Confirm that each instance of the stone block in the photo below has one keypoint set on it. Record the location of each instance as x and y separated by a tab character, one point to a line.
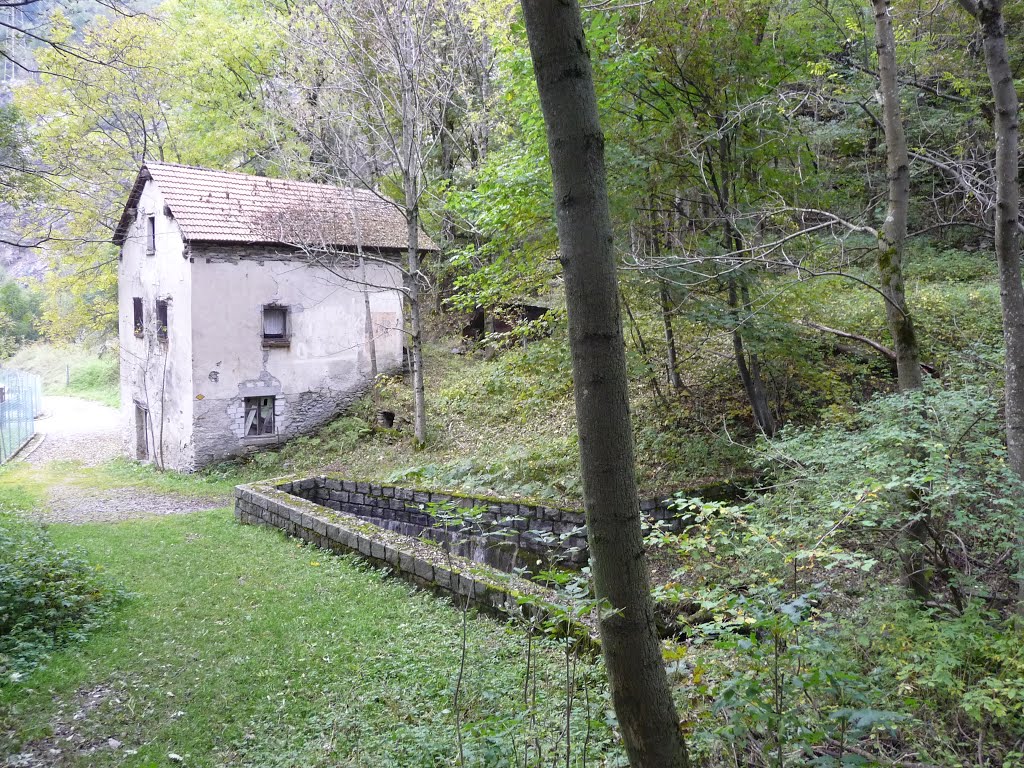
392	556
376	550
403	493
348	539
647	505
307	485
357	498
405	562
319	526
443	577
374	489
482	592
423	569
363	544
332	485
397	504
466	585
362	487
421	497
387	491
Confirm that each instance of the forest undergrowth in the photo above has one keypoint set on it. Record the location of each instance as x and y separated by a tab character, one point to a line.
787	624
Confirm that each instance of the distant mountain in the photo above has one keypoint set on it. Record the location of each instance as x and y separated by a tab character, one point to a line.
21	264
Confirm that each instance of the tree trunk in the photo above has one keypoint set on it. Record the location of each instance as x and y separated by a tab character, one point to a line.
415	326
411	167
672	357
989	14
750	375
371	339
629	638
893	233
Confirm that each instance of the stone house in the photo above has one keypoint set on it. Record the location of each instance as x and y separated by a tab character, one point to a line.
245	310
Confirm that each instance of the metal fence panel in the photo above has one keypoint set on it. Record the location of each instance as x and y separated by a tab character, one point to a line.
21	400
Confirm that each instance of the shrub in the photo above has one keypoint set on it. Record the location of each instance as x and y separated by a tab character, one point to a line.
48	597
934	459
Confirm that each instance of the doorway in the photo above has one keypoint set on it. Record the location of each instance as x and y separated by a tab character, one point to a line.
141	433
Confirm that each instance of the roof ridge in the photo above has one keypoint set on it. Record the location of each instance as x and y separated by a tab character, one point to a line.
271	179
231	206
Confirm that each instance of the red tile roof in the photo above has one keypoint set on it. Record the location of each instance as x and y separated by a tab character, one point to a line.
215	206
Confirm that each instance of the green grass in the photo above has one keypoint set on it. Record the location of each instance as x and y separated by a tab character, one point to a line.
242	648
24	486
72	369
503	426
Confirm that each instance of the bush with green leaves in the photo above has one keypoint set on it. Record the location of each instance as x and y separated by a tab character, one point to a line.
48	597
803	647
933	461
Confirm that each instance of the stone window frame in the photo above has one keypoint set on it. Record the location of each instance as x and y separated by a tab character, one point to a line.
150	234
255	415
276	340
138	323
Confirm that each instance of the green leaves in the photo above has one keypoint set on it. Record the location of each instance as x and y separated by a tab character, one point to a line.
48	597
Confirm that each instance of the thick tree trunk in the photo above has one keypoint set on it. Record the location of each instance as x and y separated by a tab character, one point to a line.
629	638
989	14
1007	214
893	234
891	241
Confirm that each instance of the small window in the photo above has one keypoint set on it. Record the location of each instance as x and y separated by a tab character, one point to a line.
275	326
151	234
137	316
161	319
259	416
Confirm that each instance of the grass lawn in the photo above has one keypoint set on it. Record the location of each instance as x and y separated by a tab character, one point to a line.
243	648
24	486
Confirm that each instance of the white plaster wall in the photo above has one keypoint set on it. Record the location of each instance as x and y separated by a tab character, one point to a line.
154	373
325	366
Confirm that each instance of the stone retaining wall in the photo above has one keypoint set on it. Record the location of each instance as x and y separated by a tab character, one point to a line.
539	530
422	563
556	534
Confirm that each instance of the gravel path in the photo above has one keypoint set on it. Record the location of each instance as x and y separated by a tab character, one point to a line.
71	429
90	434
